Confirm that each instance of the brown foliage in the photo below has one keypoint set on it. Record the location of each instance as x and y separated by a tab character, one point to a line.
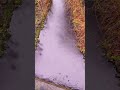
77	16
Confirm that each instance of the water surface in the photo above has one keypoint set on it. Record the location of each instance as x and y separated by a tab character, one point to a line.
57	58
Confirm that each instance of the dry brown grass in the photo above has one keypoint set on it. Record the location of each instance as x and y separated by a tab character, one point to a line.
77	16
42	8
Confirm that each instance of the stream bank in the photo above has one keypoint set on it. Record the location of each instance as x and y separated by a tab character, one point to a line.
17	66
6	11
98	69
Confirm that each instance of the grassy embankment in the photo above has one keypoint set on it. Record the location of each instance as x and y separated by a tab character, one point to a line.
42	8
108	16
6	10
76	10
